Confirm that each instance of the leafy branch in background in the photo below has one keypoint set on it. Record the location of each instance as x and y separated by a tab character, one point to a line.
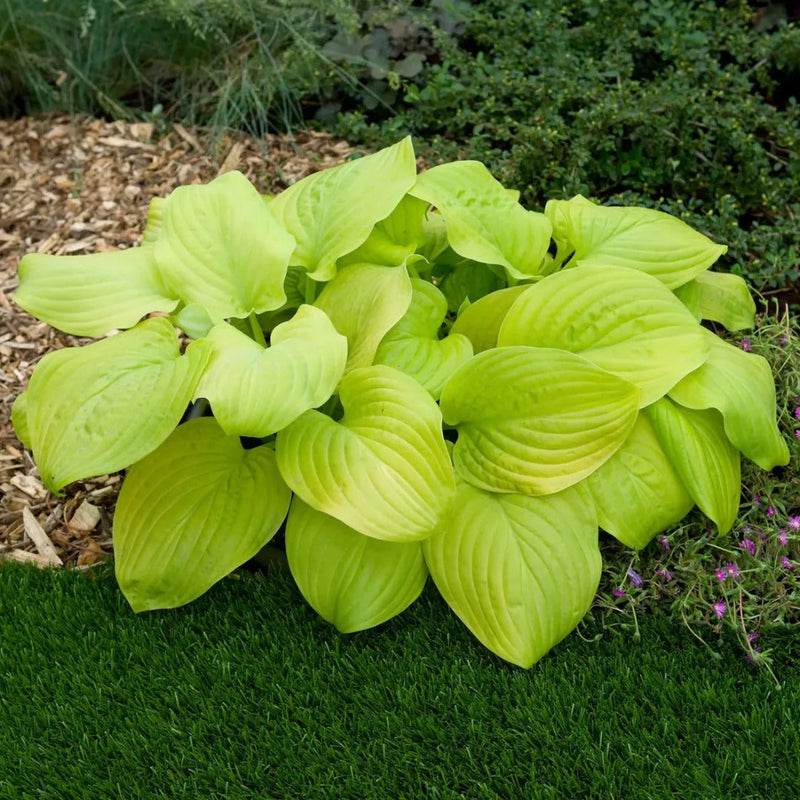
415	375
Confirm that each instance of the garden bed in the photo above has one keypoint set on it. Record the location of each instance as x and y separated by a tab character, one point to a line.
78	185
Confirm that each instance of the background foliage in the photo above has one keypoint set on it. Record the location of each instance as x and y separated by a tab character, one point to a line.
690	107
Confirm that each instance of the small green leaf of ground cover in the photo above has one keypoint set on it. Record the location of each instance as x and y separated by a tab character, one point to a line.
256	391
221	247
637	492
535	420
192	511
519	571
725	298
331	213
364	302
392	239
351	580
638	238
383	469
739	385
706	462
97	409
480	322
413	347
484	222
623	320
91	295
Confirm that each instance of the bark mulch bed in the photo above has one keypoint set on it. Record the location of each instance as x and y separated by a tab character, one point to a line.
82	185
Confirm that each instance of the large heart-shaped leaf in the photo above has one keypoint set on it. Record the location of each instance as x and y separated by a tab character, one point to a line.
706	462
739	385
535	420
519	571
623	320
364	301
219	246
91	295
383	469
97	409
637	491
191	512
638	238
484	220
351	580
413	346
331	213
256	391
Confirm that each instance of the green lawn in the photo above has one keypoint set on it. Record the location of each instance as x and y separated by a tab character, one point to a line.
247	694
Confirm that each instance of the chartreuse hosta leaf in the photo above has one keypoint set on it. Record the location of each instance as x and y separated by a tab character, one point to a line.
623	320
484	221
91	295
97	409
519	571
480	322
192	511
19	419
155	219
706	462
739	385
639	238
413	347
637	492
392	239
256	391
383	469
219	246
364	302
725	298
351	580
535	420
331	213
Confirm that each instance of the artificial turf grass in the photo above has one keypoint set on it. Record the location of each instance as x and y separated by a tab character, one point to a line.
246	693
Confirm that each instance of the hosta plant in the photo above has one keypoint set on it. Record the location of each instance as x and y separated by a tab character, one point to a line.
399	375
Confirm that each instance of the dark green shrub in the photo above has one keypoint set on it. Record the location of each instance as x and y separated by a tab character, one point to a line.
684	103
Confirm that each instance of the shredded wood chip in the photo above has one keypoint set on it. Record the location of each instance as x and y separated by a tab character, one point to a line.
42	541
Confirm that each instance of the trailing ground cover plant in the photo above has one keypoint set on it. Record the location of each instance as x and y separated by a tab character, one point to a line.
403	375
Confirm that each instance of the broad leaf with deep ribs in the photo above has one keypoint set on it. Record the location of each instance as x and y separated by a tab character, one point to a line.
383	469
351	580
519	571
191	512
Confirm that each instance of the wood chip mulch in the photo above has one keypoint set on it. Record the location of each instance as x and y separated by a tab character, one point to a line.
82	185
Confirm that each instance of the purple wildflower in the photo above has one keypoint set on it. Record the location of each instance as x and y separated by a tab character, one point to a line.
771	511
786	563
733	570
756	499
720	607
749	545
664	542
783	537
636	578
751	637
746	345
722	575
797	412
797	433
752	656
783	341
664	574
793	523
619	593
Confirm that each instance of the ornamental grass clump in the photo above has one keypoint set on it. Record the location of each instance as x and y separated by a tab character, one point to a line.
409	375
